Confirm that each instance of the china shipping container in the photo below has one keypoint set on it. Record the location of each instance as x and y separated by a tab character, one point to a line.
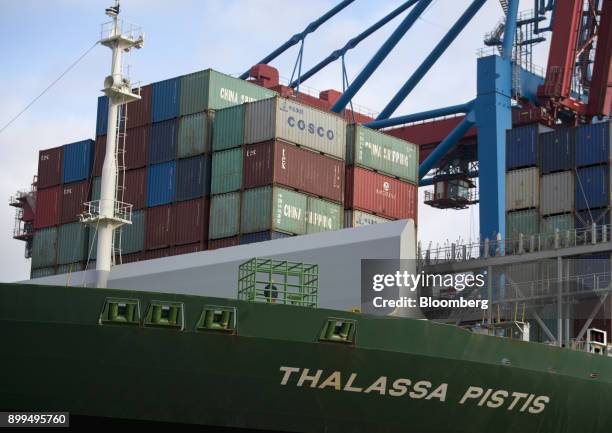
159	227
72	241
523	188
44	248
224	216
556	150
189	248
522	145
323	216
212	90
592	187
193	135
190	221
357	218
557	193
50	167
137	147
73	197
276	162
163	141
593	144
165	99
42	272
99	152
214	244
563	223
102	116
375	193
380	152
161	183
78	161
48	203
227	169
287	120
228	128
526	222
130	240
193	177
138	112
586	218
251	238
273	208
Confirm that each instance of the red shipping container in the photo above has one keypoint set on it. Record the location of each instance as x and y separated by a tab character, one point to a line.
47	207
188	249
157	254
50	167
382	195
131	258
73	197
136	145
288	165
99	152
135	188
190	221
214	244
159	227
139	112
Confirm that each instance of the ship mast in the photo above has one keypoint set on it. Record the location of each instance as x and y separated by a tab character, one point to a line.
109	213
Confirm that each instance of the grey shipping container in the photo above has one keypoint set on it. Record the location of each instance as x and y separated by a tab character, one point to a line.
194	135
42	272
72	241
70	268
526	222
284	119
557	193
44	248
226	171
228	128
224	216
562	222
357	218
522	189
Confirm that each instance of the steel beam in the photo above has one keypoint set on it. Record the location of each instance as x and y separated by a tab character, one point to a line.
510	29
430	180
424	115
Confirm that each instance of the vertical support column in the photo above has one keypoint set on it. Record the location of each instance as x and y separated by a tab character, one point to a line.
567	305
560	301
490	293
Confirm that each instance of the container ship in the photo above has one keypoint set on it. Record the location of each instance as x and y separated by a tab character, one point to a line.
201	260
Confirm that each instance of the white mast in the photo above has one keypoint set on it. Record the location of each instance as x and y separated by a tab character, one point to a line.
107	214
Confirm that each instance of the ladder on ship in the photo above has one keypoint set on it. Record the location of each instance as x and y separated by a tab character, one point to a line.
120	138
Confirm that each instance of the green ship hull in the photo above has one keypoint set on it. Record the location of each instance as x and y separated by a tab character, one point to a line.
391	375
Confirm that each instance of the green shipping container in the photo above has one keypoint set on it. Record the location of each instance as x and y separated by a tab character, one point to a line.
526	222
381	152
96	186
224	216
323	216
562	222
132	236
44	248
72	240
212	90
226	171
228	128
274	208
194	135
42	272
70	268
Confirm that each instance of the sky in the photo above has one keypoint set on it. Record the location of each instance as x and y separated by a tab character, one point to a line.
41	38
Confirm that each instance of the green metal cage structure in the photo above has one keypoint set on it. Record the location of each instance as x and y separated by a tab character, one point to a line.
279	282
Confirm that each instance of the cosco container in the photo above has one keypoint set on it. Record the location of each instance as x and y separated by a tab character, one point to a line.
276	162
557	193
194	135
323	216
42	272
163	141
136	147
102	115
99	152
522	188
161	183
556	150
224	216
48	202
134	192
389	155
44	248
357	218
284	119
72	240
273	208
526	222
522	145
214	244
165	99
592	187
73	197
563	223
593	144
138	112
226	171
129	238
159	227
193	177
78	161
251	238
190	221
228	128
50	167
586	218
212	90
382	195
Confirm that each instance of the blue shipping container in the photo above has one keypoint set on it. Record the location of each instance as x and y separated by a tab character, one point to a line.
592	187
593	144
556	150
262	236
165	99
102	116
161	183
78	161
585	218
163	141
521	147
193	177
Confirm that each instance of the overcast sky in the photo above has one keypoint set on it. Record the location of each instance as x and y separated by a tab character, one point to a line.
40	38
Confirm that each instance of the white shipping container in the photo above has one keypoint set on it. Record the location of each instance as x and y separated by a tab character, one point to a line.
523	189
357	218
284	119
557	193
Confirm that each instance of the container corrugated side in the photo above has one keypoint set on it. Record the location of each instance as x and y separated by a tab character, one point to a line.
557	193
586	218
163	141
99	152
562	222
295	123
165	99
522	188
526	222
139	112
50	167
226	171
214	244
159	227
161	183
189	248
70	268
78	161
522	145
592	187
48	205
193	135
224	216
135	188
42	272
137	147
273	208
251	238
131	240
190	221
228	128
102	115
593	144
556	150
193	177
44	248
72	241
381	152
73	197
357	218
323	216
